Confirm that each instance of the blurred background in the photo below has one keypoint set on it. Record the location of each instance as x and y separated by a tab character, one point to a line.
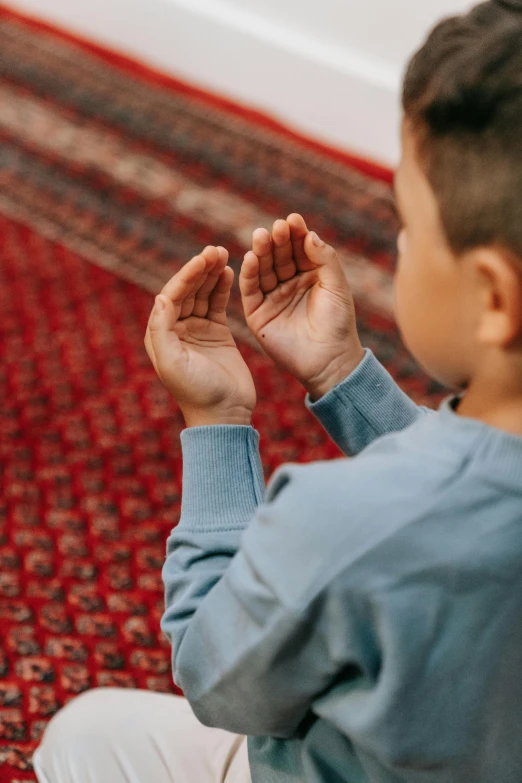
331	69
132	134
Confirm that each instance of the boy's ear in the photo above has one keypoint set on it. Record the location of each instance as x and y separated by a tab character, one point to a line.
501	307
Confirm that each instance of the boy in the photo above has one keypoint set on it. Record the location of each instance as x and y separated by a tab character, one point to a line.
362	620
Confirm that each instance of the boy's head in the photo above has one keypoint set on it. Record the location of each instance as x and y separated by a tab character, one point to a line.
459	192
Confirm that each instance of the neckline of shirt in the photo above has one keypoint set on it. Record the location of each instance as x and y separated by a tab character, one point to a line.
499	449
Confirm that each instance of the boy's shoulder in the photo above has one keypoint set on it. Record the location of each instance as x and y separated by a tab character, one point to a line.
331	515
398	467
393	514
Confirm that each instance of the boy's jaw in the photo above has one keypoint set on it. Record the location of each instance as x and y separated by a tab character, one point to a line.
430	284
442	303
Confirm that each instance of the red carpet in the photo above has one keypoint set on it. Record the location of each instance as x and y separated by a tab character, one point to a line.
112	177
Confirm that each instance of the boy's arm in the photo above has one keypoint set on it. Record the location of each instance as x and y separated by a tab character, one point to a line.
246	659
365	406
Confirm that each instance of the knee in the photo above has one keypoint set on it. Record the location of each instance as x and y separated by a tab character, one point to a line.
87	716
110	735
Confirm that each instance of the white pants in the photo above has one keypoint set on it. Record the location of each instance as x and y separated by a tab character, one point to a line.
113	735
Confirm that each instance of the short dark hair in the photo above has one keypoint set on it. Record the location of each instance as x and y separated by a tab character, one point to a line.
462	94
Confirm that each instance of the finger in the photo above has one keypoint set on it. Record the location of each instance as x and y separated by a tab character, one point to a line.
182	283
164	342
150	349
187	307
219	298
262	247
211	256
201	301
249	284
284	264
148	342
298	233
328	264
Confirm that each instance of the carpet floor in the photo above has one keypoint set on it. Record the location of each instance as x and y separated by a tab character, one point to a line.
112	177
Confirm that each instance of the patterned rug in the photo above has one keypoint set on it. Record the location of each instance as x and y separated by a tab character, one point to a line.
112	177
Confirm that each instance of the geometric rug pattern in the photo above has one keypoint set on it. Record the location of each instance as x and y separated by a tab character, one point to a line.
112	177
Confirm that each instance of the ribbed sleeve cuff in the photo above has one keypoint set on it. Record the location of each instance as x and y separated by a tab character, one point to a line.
366	405
223	480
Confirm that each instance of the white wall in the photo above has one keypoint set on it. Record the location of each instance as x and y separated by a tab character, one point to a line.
330	69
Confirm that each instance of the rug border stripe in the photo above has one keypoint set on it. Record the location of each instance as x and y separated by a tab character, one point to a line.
155	76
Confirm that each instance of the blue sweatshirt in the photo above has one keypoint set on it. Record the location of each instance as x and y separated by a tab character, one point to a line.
361	620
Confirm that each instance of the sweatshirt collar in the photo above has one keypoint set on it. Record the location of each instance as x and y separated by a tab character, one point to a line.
501	451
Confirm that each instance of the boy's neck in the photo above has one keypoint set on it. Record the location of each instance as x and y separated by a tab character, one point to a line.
495	397
505	416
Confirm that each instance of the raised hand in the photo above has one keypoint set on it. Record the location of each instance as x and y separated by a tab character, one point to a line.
192	348
299	306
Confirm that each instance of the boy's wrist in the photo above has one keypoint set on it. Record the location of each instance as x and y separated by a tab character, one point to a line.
208	418
335	373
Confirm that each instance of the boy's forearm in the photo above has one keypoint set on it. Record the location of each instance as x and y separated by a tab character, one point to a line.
366	405
223	485
223	480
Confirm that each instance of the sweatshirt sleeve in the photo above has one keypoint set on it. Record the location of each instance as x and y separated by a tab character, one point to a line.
365	406
248	659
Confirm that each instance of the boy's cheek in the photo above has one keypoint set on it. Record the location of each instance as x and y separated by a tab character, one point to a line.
410	307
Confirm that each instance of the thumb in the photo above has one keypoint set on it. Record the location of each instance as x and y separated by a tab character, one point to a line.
328	264
163	340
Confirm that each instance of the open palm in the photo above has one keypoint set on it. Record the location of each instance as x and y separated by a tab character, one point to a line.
298	303
191	346
210	365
